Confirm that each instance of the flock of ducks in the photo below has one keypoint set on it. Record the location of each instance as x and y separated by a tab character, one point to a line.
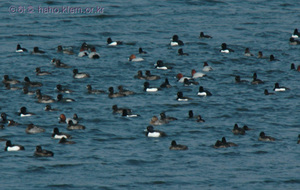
90	51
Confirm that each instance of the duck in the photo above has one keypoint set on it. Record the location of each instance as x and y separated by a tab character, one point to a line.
113	43
225	49
77	75
114	95
295	34
23	112
60	89
140	75
33	129
180	97
294	42
175	146
36	50
59	64
246	128
94	54
266	92
9	87
7	80
298	142
191	114
12	123
165	84
141	51
39	152
227	144
247	52
124	91
256	80
149	76
40	99
202	35
187	82
8	121
49	108
68	51
219	144
83	50
278	88
32	84
180	77
120	110
26	91
64	119
197	74
206	67
13	147
125	113
42	96
298	68
160	65
155	121
154	133
180	52
293	66
147	88
238	80
260	55
203	92
72	126
93	91
163	117
60	98
59	135
19	49
41	73
65	141
134	58
175	41
272	58
199	119
263	137
237	130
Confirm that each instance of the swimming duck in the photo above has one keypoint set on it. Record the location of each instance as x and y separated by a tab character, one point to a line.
175	146
160	65
64	119
147	88
139	75
83	50
202	35
247	52
9	87
113	43
272	58
42	153
26	91
163	117
94	54
13	147
295	34
8	121
294	42
32	84
19	49
59	135
59	64
125	113
293	66
114	95
134	58
156	121
49	108
154	133
165	84
120	110
7	80
41	73
256	80
65	141
36	50
263	137
23	112
199	119
141	51
60	89
33	129
77	75
225	49
266	92
298	142
203	92
68	51
180	52
187	82
176	42
238	79
149	76
237	130
42	96
206	67
60	98
72	126
227	144
94	91
278	88
197	74
180	97
219	144
124	91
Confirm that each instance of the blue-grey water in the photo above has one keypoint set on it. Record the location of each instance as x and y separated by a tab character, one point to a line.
113	152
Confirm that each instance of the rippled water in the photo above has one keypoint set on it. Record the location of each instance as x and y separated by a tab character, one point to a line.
113	152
